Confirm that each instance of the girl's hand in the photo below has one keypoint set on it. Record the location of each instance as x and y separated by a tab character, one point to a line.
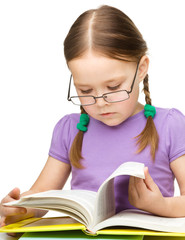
11	214
145	195
14	214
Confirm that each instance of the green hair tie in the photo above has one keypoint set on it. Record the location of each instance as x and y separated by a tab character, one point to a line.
84	120
149	111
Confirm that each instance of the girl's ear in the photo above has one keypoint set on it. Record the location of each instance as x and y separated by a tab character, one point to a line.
143	68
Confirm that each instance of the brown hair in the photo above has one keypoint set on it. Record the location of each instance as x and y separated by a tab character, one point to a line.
109	31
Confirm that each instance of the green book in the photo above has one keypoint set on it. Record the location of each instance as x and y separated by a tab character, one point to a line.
74	235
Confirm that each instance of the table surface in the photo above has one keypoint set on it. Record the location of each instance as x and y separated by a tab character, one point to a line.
4	236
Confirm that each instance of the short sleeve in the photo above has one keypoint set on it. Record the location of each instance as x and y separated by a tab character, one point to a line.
175	134
60	143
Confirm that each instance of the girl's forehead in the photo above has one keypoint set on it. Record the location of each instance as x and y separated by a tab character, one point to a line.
96	64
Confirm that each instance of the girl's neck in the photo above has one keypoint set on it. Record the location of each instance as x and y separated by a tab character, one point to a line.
139	108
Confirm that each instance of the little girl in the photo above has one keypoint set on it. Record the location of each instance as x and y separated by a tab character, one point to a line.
106	55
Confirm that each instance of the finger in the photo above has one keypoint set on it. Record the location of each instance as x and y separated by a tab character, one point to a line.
140	186
2	221
17	235
149	181
13	211
12	219
15	193
11	234
132	192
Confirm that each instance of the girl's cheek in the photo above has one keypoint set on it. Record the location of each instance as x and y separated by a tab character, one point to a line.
89	110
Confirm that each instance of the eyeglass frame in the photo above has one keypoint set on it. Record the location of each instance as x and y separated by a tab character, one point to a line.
103	95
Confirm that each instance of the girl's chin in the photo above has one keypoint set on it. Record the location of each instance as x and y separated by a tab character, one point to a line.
111	122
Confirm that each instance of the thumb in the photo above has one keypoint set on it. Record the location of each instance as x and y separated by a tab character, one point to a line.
148	180
15	193
2	221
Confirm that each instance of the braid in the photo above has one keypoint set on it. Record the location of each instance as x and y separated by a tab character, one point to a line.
149	135
76	148
146	91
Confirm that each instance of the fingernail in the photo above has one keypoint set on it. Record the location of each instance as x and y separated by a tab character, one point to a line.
23	211
2	224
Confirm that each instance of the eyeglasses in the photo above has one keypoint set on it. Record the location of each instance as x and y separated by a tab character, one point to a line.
111	97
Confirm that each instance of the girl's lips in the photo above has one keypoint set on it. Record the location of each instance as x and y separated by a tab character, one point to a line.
107	114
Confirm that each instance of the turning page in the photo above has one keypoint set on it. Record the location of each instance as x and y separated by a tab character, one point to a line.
105	201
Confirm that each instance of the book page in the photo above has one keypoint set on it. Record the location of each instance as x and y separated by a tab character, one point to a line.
51	221
105	202
141	219
78	204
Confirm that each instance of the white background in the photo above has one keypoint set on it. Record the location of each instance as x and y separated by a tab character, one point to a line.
34	76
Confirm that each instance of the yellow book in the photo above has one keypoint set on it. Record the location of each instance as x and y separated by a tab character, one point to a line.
69	224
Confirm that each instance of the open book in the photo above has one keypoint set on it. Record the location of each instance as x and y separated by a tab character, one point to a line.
96	210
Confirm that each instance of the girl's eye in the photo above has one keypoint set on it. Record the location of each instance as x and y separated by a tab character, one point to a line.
86	91
114	88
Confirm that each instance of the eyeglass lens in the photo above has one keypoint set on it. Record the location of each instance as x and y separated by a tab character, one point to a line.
109	97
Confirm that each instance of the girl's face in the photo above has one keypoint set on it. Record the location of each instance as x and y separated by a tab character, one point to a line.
95	75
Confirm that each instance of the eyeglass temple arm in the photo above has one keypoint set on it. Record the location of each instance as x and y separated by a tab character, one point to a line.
134	77
68	95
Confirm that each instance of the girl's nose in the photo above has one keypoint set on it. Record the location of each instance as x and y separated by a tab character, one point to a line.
100	101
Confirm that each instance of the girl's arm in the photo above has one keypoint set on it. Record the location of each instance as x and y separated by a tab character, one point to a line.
177	204
53	176
145	194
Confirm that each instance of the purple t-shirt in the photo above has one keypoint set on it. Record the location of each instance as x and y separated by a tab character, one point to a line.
105	148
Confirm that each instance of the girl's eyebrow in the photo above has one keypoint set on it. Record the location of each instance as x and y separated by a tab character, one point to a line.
117	78
81	85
